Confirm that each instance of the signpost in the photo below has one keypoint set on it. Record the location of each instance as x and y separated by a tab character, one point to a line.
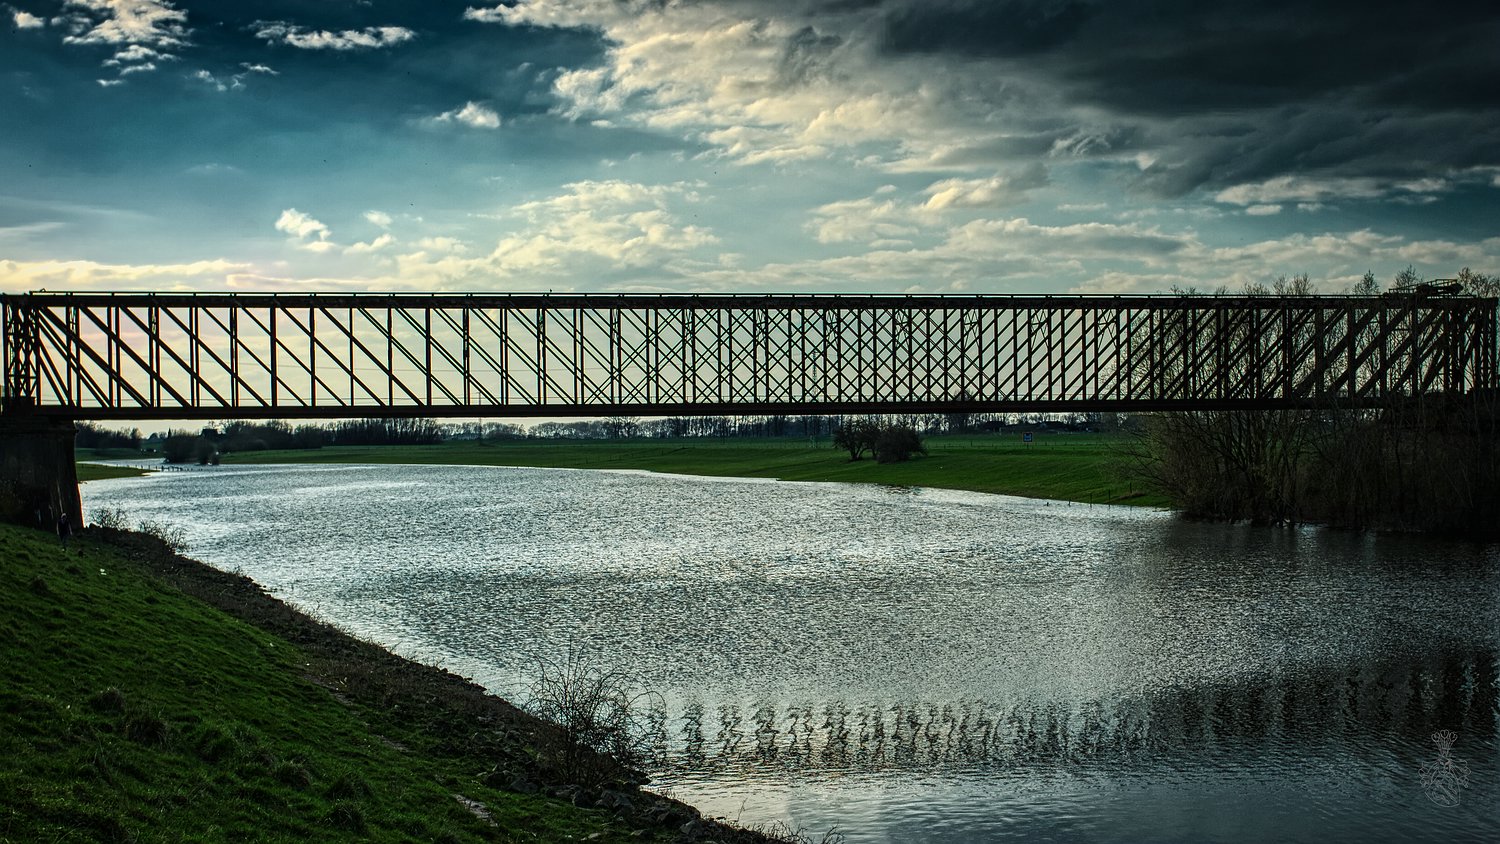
1026	438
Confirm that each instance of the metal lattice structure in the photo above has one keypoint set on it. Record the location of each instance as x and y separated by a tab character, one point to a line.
215	356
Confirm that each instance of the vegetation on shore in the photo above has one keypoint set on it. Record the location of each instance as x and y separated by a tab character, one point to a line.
148	697
1088	468
1428	462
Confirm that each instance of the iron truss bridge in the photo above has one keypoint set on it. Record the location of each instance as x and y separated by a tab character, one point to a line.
216	356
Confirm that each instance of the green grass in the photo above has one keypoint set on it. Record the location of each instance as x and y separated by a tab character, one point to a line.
130	711
1062	466
95	472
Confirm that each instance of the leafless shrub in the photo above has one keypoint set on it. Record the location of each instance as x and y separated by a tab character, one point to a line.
604	724
111	518
784	833
175	538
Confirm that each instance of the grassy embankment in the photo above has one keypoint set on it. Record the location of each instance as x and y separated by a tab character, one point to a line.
145	697
1070	467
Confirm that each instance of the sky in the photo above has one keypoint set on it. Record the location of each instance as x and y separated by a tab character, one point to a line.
959	146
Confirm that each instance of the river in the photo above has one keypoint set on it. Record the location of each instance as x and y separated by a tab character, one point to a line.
917	665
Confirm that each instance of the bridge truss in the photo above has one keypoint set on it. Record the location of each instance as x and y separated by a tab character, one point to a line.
217	356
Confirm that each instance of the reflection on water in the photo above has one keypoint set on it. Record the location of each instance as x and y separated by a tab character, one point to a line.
917	664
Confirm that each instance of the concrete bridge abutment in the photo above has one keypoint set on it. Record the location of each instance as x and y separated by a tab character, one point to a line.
38	476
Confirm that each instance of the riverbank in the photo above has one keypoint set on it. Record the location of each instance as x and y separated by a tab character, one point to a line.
1087	468
147	696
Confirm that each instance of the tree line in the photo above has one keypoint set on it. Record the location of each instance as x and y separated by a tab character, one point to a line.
1428	463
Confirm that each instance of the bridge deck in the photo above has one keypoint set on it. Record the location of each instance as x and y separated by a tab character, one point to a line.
214	356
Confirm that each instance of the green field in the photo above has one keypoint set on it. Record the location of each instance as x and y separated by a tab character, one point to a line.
95	472
133	707
1064	466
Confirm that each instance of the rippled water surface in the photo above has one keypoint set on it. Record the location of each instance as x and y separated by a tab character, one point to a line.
919	665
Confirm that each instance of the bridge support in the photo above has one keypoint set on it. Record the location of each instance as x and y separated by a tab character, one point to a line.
38	478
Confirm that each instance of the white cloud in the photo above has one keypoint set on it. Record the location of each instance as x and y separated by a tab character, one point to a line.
1263	210
1000	190
26	20
472	114
153	23
22	276
258	68
762	87
442	244
379	218
143	29
137	53
109	83
25	231
625	224
375	245
867	220
306	232
215	82
1313	189
369	38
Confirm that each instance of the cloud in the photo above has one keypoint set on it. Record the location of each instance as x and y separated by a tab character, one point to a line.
154	23
997	191
1263	210
379	218
137	53
215	82
24	276
306	232
142	29
472	114
1313	189
867	221
626	224
26	231
26	20
375	245
1178	97
232	82
442	244
369	38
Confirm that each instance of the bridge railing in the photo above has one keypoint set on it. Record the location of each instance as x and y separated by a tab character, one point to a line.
136	356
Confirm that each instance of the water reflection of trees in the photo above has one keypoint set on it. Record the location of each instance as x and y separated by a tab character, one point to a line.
1366	710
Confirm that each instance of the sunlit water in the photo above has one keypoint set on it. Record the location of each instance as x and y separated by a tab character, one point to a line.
918	665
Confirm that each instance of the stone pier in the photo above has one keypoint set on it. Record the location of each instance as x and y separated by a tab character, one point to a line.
38	478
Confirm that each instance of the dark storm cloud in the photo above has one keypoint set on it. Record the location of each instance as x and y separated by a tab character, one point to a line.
1230	92
1172	56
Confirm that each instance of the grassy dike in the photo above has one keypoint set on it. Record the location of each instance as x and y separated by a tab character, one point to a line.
1086	468
148	697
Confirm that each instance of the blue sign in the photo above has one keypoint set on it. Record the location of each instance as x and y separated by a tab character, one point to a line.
1026	438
